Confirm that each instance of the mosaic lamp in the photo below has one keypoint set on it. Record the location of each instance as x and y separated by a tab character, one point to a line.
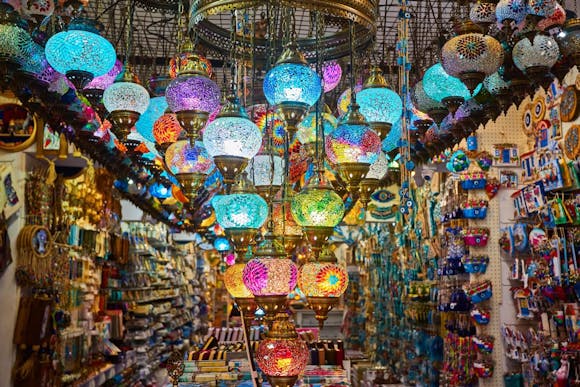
292	87
436	110
232	139
266	170
193	96
331	74
368	185
80	52
569	41
381	106
482	13
445	88
536	56
190	165
541	8
306	133
160	191
14	42
270	276
32	65
323	282
353	146
166	131
221	244
234	283
282	355
284	224
471	55
240	213
145	123
318	209
125	100
94	90
499	88
510	11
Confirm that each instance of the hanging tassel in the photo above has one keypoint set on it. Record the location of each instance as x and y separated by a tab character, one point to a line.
63	148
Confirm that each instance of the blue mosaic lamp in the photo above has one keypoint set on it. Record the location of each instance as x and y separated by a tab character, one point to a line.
221	244
381	106
292	86
159	191
157	107
232	139
446	89
510	11
80	52
14	40
240	213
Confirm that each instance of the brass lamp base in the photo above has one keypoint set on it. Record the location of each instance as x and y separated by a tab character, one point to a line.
321	306
317	237
471	79
438	115
230	167
272	305
381	128
282	381
367	187
95	98
79	78
452	103
290	244
192	121
423	126
352	174
292	113
241	238
267	191
190	184
122	121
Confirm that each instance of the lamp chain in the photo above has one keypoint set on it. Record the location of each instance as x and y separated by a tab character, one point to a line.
352	68
180	11
129	32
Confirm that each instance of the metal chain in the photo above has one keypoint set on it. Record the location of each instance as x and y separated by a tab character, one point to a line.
129	32
180	11
352	65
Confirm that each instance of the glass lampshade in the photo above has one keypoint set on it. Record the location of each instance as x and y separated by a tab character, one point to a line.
222	244
541	52
282	357
543	8
379	168
234	282
511	10
482	12
126	94
160	191
232	136
240	210
284	223
260	170
269	276
166	129
569	42
14	39
322	279
80	48
181	157
495	84
317	205
307	128
292	82
422	101
103	81
331	74
181	60
377	102
145	123
557	18
352	143
439	85
35	61
343	101
193	93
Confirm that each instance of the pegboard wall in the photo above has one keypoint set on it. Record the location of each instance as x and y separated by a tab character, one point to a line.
506	129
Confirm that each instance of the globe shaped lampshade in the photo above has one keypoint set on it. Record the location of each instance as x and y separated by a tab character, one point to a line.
471	57
232	136
14	39
436	110
292	82
511	11
322	279
234	282
261	171
182	158
379	168
331	74
35	62
145	123
307	128
543	8
495	84
160	191
317	205
269	276
482	13
352	144
101	82
445	88
222	244
80	53
240	210
343	102
193	93
391	142
537	55
557	18
166	130
569	41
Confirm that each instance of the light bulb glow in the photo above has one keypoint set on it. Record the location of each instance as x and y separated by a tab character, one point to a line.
317	207
322	279
126	96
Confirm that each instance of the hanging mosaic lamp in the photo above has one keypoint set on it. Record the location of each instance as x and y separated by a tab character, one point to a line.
445	88
436	110
556	18
240	213
306	133
166	131
270	276
323	282
14	43
266	170
569	41
80	52
482	13
222	245
145	124
193	96
499	88
353	147
331	75
510	13
94	90
234	283
535	56
232	139
282	355
125	100
541	8
160	191
32	65
292	87
377	171
471	55
285	226
381	106
190	165
318	209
